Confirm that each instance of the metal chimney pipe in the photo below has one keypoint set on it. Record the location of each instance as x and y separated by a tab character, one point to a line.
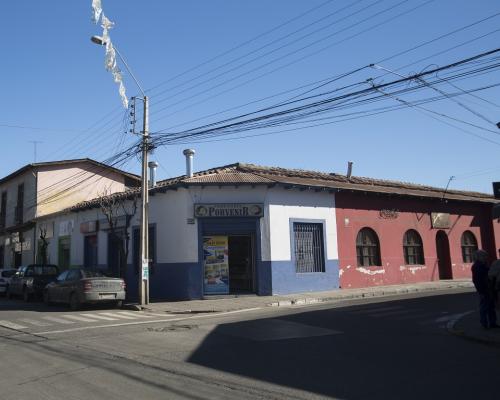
152	173
349	169
189	153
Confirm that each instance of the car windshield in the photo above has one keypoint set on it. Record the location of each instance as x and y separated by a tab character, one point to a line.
92	274
45	270
9	273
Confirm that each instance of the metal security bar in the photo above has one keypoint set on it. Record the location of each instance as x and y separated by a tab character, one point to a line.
309	252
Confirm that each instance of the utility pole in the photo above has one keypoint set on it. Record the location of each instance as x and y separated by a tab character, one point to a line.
144	267
144	245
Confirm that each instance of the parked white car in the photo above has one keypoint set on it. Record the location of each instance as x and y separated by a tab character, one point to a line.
5	275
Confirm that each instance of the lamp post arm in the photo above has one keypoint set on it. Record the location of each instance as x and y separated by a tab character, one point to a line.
129	71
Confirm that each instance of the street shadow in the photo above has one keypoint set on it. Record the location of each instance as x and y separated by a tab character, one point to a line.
339	353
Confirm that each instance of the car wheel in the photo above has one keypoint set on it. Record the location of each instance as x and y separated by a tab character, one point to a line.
119	304
74	302
26	295
46	298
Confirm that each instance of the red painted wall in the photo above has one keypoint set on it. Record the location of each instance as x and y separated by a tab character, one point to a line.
358	210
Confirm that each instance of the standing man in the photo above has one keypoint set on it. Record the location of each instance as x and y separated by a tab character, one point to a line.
494	280
487	313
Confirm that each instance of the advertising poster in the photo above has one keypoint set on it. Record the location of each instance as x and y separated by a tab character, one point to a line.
216	262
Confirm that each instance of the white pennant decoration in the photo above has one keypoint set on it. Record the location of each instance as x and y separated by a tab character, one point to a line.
110	57
96	10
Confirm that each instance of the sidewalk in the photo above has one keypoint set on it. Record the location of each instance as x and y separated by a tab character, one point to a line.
469	328
234	303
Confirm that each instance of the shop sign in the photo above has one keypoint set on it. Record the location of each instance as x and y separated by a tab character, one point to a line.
389	213
496	190
216	265
15	237
228	210
23	246
88	227
496	211
65	228
118	222
440	220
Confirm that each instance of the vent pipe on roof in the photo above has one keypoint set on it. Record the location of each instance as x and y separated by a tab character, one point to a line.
349	169
152	173
189	153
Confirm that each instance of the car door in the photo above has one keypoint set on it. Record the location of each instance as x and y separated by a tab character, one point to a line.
70	284
56	289
15	286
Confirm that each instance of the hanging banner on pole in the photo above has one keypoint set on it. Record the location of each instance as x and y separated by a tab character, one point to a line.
216	265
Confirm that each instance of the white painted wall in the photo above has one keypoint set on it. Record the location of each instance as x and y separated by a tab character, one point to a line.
177	240
285	205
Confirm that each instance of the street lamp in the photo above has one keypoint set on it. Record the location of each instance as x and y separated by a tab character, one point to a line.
144	260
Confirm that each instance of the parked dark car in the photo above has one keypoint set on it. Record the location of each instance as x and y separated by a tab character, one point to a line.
5	276
78	286
30	280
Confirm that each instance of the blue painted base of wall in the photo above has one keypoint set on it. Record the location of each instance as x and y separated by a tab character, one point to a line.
179	281
285	280
184	281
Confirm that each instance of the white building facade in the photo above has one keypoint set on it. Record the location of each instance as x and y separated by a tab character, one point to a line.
223	231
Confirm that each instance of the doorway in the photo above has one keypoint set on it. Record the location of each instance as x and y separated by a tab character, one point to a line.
443	255
116	256
241	262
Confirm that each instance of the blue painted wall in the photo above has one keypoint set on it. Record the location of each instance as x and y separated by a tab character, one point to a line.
176	281
285	280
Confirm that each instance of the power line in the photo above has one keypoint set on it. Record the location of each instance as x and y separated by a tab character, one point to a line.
357	23
245	124
309	11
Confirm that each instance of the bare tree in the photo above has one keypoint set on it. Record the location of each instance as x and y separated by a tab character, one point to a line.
115	208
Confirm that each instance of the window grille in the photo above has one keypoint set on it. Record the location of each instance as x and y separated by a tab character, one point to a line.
309	251
469	246
413	248
367	248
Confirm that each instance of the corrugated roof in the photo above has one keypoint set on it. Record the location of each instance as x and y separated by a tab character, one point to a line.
229	177
239	173
337	181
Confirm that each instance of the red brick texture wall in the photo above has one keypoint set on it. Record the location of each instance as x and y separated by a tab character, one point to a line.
358	210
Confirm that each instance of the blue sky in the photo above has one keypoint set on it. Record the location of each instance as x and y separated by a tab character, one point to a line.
55	89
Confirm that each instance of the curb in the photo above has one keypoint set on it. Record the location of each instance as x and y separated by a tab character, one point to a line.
451	327
363	295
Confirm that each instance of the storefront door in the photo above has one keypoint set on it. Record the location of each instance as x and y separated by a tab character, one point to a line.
228	264
240	264
443	255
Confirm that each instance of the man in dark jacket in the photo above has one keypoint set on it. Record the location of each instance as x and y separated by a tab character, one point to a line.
487	313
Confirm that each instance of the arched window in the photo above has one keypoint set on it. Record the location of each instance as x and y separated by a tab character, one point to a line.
469	246
413	248
367	248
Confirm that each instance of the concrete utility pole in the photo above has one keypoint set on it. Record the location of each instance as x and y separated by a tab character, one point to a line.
144	261
144	268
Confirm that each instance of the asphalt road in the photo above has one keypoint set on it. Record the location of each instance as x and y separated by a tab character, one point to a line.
393	348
